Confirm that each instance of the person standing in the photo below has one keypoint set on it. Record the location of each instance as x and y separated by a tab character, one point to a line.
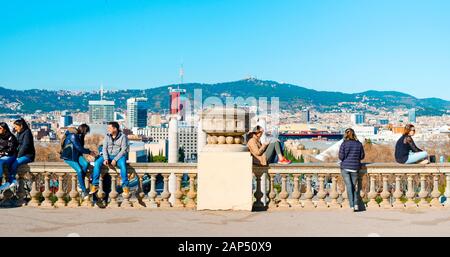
351	152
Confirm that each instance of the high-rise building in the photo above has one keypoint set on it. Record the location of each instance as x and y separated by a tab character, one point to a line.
305	116
101	111
358	118
137	112
412	115
66	119
177	102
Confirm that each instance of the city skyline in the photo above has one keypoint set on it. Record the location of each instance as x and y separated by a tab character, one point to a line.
343	46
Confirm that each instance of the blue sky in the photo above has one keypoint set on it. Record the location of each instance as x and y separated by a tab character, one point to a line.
335	45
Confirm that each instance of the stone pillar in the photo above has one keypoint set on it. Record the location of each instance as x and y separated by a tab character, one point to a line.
173	154
224	164
201	136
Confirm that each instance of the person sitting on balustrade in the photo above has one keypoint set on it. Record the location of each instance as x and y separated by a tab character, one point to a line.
8	151
406	150
72	150
114	153
264	153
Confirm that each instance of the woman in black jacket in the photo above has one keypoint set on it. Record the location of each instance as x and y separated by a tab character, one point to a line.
25	150
351	152
8	150
406	150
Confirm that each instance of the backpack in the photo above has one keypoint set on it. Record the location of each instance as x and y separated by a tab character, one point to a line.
67	151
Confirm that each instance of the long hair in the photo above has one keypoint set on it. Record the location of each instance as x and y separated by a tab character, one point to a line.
349	134
408	129
82	130
5	128
254	131
22	123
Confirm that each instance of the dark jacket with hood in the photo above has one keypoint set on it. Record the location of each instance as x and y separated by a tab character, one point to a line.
8	145
26	144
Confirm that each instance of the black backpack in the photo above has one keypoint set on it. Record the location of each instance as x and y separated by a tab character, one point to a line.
67	151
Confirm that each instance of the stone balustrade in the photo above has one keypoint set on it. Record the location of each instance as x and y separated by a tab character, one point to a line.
320	186
39	175
305	186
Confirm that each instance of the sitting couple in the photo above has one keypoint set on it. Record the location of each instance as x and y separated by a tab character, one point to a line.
114	152
264	153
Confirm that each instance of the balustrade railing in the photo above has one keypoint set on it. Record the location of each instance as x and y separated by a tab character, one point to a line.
320	186
55	184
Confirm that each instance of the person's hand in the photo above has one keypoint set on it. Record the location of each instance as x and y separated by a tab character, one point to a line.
113	163
94	154
106	162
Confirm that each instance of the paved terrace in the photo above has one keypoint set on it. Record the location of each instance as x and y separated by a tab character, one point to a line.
129	222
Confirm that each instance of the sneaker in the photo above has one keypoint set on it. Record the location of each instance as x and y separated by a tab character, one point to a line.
93	190
13	184
356	208
5	186
284	161
126	190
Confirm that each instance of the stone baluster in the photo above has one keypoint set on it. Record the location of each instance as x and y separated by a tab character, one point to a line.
447	190
296	193
165	194
74	195
126	203
321	204
308	195
152	194
21	189
334	194
178	203
435	194
101	193
140	195
372	195
411	193
258	204
423	194
272	193
34	193
191	194
60	194
385	194
88	201
47	193
113	194
283	194
398	193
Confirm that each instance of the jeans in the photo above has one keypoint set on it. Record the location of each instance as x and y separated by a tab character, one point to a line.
416	157
8	160
81	167
15	165
353	185
272	151
121	163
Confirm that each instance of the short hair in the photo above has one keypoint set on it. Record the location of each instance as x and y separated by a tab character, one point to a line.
114	124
